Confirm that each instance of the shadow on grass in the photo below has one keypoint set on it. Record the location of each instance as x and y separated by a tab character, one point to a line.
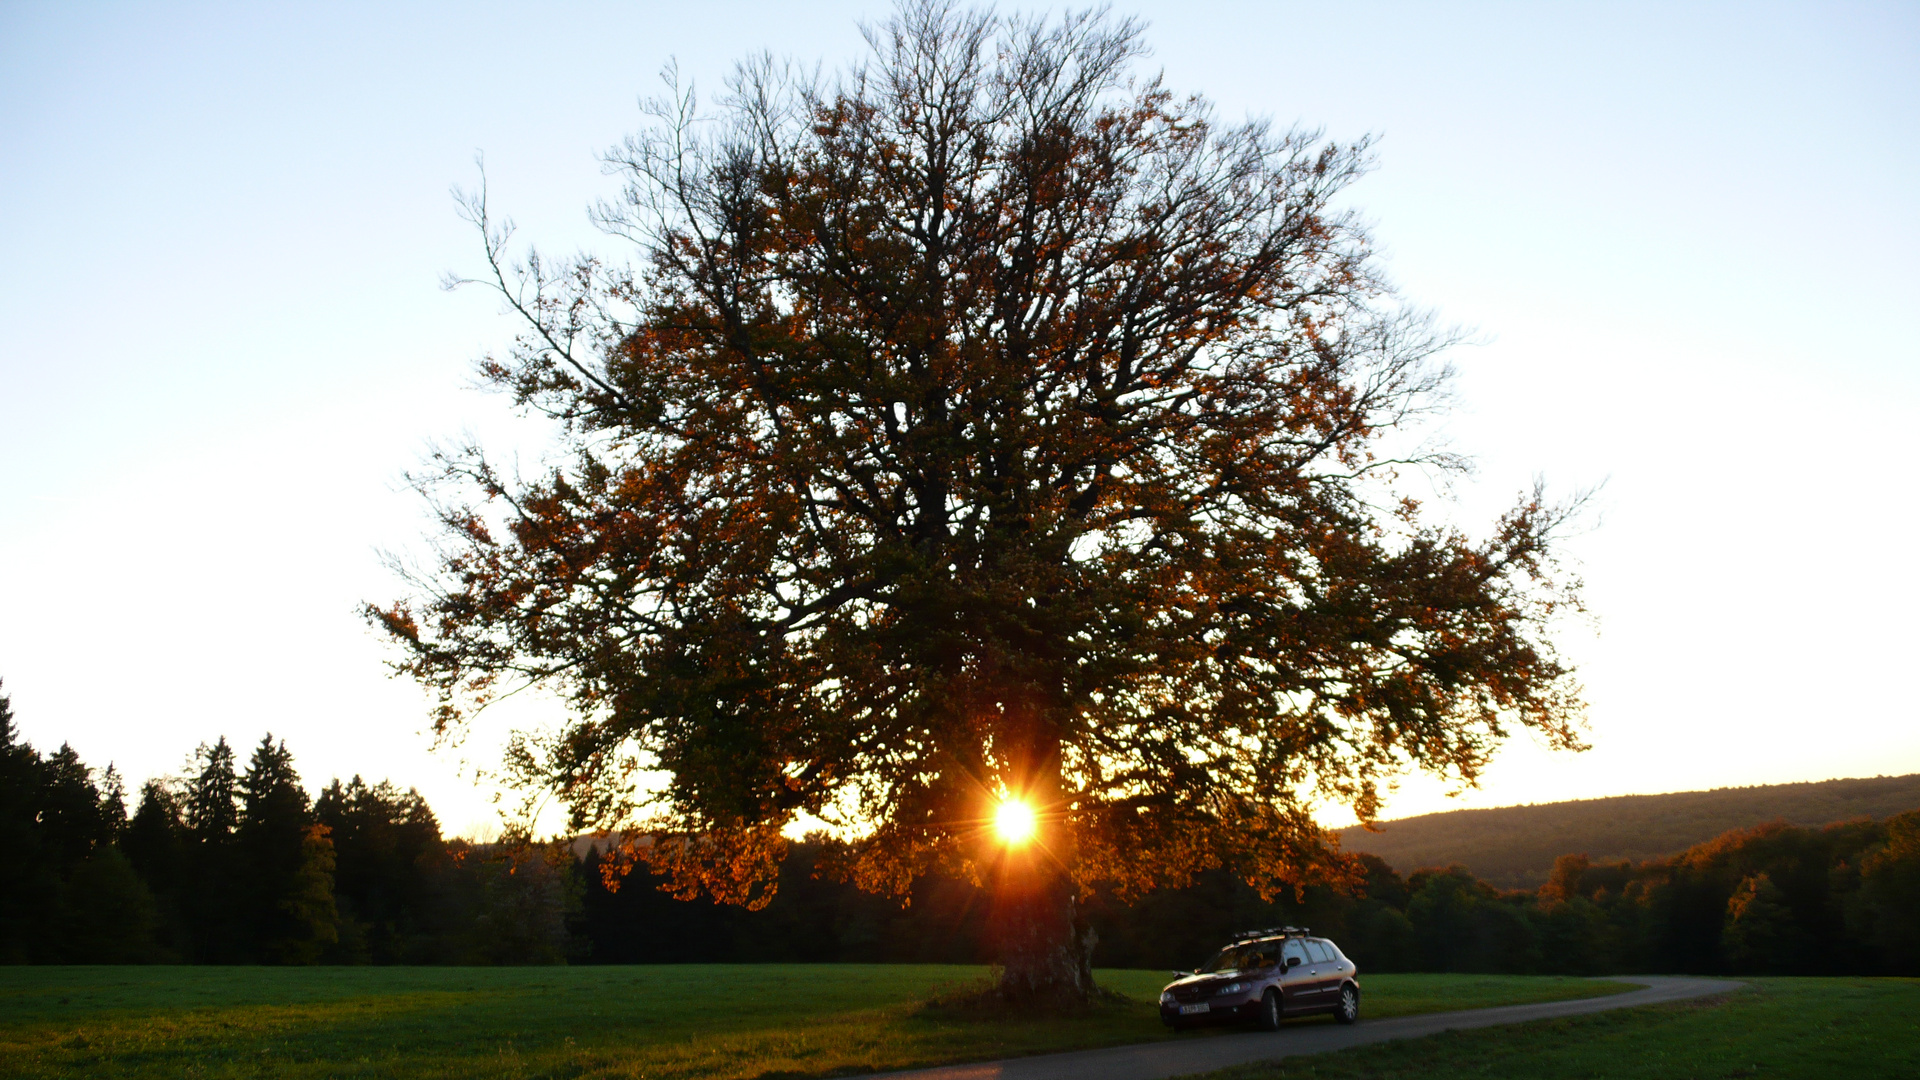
979	1001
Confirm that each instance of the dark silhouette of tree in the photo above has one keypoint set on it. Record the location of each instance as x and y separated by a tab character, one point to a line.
308	915
1376	932
392	866
109	913
67	894
987	422
212	809
73	817
213	903
155	843
106	914
1464	924
506	902
1883	904
286	866
1760	933
29	888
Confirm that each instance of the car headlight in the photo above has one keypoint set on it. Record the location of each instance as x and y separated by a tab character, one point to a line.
1231	988
1166	997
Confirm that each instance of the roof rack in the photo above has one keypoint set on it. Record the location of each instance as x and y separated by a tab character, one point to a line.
1272	931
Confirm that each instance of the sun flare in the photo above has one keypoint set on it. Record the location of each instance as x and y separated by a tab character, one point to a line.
1014	821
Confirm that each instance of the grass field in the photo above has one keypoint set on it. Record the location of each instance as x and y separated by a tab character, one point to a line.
655	1022
1779	1029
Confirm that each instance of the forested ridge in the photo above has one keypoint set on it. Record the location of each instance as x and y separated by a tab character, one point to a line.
1515	847
235	863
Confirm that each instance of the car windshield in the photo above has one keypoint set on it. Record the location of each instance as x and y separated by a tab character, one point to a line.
1234	958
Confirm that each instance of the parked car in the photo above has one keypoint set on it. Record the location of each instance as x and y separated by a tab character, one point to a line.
1265	976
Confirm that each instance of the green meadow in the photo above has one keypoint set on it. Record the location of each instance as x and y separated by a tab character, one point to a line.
1776	1029
728	1021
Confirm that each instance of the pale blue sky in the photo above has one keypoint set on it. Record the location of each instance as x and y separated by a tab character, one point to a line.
1687	234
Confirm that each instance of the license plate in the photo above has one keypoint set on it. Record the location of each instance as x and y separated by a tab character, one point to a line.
1189	1010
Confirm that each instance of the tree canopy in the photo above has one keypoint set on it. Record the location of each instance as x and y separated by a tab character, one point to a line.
984	421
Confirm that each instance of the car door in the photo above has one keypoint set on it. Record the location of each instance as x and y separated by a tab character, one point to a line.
1297	987
1324	970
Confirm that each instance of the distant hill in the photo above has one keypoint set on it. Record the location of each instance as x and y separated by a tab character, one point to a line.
1513	847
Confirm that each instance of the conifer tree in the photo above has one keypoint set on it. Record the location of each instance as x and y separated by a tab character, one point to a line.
287	875
73	814
155	844
213	910
113	803
390	856
27	891
211	809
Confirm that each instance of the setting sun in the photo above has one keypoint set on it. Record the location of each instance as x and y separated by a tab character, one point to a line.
1014	821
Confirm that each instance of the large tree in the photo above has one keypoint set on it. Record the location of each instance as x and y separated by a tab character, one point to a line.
984	423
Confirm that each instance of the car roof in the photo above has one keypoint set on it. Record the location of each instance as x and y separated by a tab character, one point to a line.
1270	934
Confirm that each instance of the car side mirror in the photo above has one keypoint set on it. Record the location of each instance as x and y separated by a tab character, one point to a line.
1293	961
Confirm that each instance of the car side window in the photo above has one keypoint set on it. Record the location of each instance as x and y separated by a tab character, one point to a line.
1333	952
1292	949
1267	956
1317	953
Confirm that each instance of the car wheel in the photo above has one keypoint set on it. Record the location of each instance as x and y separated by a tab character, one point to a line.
1349	1009
1270	1011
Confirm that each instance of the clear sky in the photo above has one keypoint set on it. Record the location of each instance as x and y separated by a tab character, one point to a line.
1689	236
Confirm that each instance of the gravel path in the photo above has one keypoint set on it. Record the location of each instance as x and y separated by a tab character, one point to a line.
1183	1057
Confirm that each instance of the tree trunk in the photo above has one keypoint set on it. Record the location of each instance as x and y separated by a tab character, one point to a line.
1045	949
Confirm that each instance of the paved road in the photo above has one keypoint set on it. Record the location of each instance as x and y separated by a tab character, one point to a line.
1182	1057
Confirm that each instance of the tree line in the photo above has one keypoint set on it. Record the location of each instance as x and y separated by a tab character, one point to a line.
237	864
1772	899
